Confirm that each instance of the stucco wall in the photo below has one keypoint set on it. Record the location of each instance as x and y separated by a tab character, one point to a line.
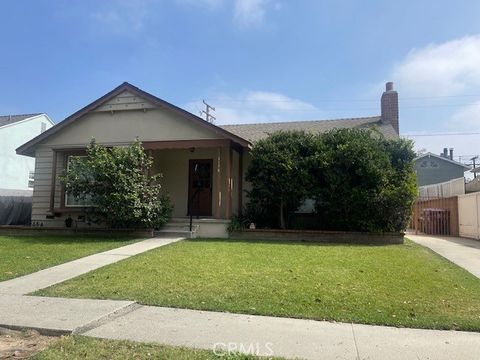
14	169
469	215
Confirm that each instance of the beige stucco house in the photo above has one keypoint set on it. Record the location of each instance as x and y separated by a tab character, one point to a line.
194	156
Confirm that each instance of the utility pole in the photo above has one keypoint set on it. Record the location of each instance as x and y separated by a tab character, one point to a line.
473	159
208	117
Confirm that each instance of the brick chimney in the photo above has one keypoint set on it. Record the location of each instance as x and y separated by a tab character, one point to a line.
390	107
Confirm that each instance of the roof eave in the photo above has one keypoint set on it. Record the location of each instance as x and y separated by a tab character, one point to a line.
27	149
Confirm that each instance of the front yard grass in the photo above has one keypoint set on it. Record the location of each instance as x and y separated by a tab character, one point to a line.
399	285
20	255
87	348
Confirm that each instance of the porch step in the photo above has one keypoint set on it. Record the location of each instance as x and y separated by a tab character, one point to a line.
171	233
177	228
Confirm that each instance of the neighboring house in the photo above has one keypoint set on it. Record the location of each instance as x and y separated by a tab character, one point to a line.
194	155
17	172
435	169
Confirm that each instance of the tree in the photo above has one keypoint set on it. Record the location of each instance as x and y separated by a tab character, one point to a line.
116	182
279	176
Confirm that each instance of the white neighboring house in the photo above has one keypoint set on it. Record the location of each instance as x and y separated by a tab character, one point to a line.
17	171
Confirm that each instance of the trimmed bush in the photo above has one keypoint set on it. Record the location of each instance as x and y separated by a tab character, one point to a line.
359	180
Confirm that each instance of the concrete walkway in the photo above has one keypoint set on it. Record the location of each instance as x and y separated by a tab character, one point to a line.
463	252
262	335
54	275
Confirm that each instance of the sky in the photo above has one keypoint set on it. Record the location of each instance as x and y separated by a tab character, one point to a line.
253	60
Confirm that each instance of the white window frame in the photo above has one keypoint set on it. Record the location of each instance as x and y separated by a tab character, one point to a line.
31	178
66	193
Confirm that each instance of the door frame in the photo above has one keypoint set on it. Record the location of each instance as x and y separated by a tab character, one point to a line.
205	161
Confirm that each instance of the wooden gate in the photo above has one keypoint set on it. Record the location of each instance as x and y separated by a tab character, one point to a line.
435	216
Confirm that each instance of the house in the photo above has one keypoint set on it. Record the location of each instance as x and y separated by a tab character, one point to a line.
17	172
194	156
435	169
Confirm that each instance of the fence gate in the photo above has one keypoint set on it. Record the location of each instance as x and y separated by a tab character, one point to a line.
435	216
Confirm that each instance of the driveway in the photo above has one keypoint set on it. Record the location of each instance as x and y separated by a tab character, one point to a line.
463	252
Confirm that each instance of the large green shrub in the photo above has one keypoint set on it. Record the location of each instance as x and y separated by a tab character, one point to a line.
280	177
359	180
363	181
116	182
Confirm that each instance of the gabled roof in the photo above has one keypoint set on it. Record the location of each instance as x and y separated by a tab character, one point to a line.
28	148
429	154
255	132
11	119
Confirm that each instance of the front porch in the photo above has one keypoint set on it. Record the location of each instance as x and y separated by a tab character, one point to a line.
202	177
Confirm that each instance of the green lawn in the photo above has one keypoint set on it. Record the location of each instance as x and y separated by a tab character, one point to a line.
20	255
86	348
399	285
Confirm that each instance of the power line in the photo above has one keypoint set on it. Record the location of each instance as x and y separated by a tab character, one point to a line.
223	99
443	134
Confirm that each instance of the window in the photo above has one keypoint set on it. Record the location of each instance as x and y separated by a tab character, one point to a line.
31	177
43	127
429	164
72	201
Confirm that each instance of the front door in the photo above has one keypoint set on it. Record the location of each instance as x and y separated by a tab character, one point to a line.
200	187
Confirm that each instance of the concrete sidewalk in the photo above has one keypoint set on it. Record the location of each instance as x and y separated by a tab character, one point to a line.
56	274
263	335
463	252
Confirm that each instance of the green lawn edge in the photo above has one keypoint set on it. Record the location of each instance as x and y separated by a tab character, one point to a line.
88	348
22	255
454	303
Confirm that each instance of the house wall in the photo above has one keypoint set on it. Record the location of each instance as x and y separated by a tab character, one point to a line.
42	186
14	169
433	175
122	127
173	164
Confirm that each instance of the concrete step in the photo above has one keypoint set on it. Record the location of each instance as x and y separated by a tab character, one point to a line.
171	233
179	226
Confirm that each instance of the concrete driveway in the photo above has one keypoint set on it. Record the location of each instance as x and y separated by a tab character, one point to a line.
463	252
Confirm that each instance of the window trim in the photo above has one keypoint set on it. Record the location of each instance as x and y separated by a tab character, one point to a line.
64	194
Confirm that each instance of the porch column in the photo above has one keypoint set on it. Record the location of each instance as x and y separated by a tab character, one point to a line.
219	185
240	182
228	184
53	181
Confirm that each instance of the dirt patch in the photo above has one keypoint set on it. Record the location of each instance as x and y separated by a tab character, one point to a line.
22	344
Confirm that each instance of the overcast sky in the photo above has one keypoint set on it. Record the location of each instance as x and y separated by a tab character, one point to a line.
254	60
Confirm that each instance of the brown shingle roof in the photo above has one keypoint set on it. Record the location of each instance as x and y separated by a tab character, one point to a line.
10	119
255	132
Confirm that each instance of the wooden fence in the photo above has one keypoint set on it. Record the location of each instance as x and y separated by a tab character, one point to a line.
436	216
